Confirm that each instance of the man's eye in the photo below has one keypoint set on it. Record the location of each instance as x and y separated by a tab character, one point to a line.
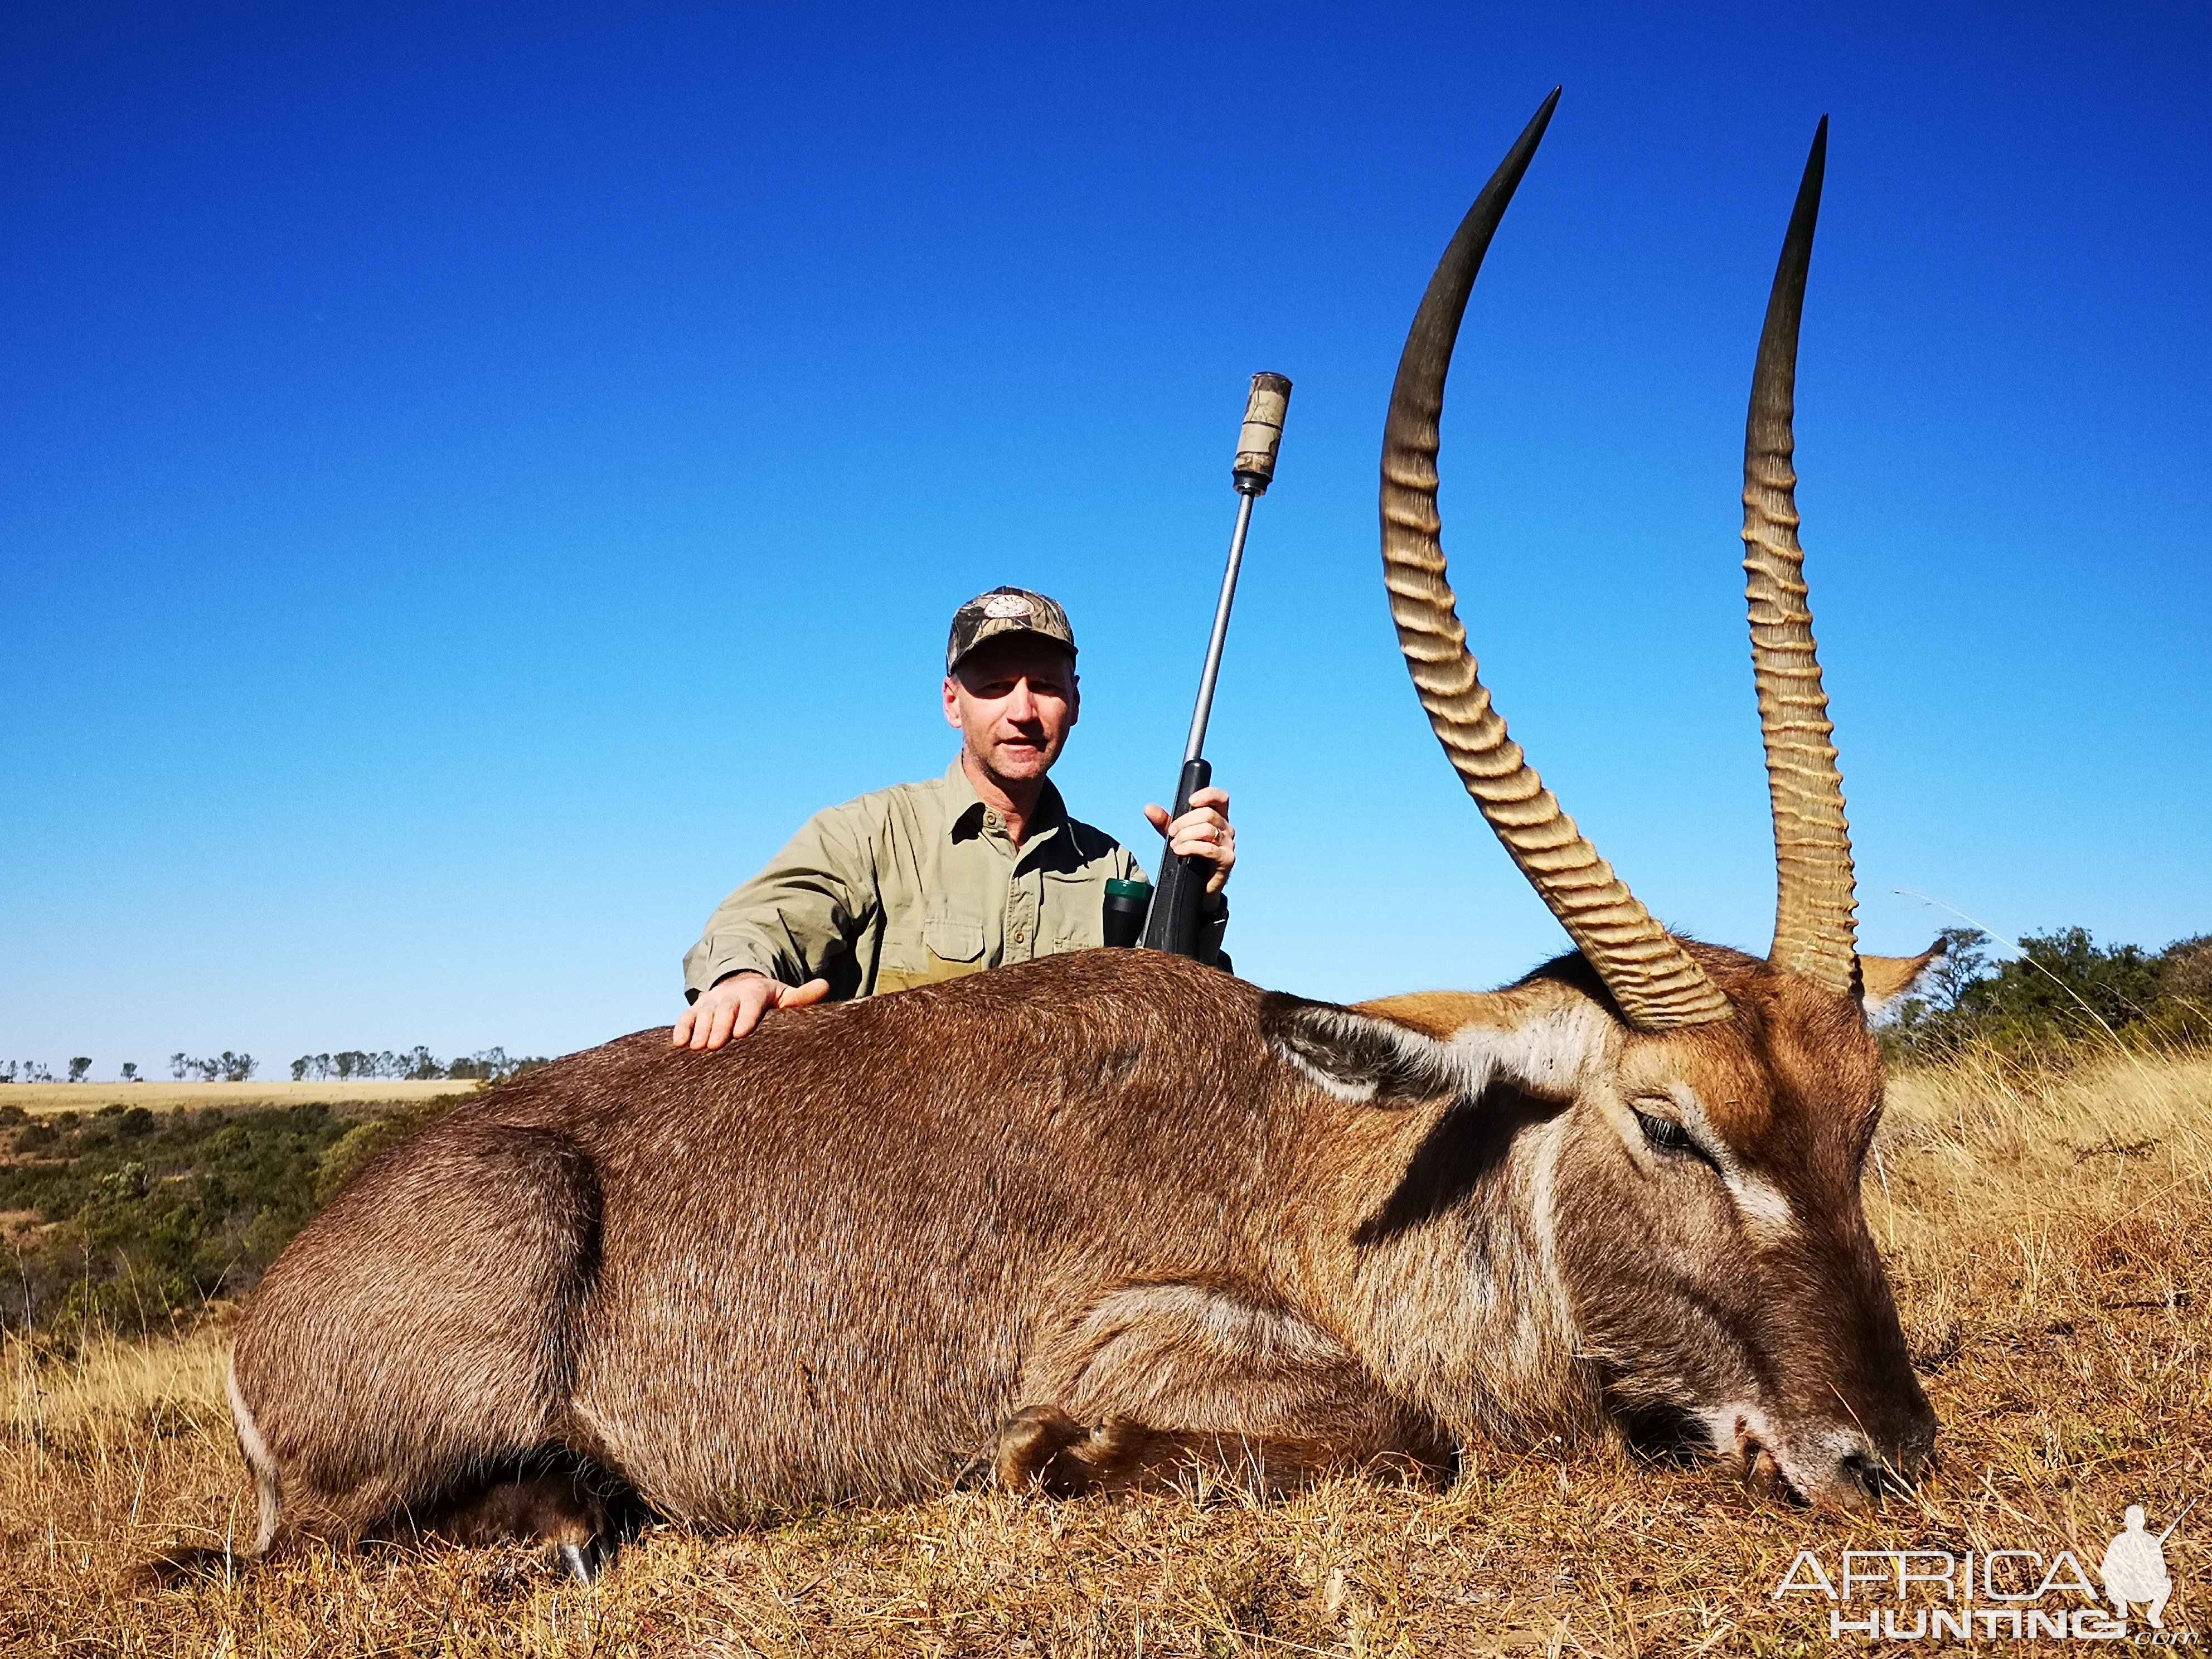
1665	1133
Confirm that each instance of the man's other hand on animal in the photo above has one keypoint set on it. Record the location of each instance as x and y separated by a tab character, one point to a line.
930	881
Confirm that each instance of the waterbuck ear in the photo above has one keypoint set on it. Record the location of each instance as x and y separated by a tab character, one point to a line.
1388	1058
1353	1056
1884	978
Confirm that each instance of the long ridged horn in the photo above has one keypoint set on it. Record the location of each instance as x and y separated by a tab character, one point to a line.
1814	933
1649	975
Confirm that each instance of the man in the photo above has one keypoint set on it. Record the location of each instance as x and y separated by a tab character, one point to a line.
929	881
2135	1569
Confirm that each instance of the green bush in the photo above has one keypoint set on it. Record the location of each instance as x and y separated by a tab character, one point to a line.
145	1218
2063	994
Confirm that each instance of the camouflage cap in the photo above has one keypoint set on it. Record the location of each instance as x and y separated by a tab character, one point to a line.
1005	610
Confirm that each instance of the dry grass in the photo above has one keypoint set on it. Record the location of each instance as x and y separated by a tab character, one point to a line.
45	1099
2050	1241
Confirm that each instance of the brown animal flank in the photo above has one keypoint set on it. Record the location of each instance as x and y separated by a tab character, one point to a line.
1079	1224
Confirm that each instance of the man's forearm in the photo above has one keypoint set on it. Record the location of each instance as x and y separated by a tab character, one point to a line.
793	918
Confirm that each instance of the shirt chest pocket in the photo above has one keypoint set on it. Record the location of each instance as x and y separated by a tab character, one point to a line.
940	948
1074	911
956	943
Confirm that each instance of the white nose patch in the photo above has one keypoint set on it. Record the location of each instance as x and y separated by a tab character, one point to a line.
1762	1204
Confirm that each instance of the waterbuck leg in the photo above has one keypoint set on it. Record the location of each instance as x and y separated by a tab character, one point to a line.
420	1341
557	1506
1044	1449
1154	1378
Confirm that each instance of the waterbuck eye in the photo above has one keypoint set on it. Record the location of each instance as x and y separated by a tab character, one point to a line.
1665	1134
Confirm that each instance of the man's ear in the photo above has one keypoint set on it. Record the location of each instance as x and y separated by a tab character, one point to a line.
1882	980
952	702
1544	1047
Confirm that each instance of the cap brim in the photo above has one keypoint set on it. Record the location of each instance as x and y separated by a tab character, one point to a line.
1003	628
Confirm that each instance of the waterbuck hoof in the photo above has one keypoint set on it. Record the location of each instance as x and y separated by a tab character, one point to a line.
1032	1442
1042	1448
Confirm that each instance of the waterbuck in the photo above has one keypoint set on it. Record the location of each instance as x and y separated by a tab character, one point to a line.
1076	1223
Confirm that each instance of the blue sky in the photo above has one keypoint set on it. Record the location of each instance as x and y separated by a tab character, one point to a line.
476	478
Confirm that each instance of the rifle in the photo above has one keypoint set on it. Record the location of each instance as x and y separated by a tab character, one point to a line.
1174	923
2176	1522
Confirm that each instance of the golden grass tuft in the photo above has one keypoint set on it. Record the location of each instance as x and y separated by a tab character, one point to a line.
48	1099
2049	1236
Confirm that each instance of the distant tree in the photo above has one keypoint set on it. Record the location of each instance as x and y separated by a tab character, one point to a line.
416	1065
131	1071
78	1066
2183	1011
235	1068
2061	982
1963	964
493	1066
2184	971
483	1066
1926	1021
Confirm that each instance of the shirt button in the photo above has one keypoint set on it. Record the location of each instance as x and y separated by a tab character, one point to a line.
1021	936
990	820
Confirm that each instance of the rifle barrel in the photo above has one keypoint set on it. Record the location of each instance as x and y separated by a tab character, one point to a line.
2176	1522
1204	712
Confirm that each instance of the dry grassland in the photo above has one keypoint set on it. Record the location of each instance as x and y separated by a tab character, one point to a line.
2050	1239
45	1099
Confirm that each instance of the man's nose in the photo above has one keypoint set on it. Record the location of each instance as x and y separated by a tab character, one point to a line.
1019	704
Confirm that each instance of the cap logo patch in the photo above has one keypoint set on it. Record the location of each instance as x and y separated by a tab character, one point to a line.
1004	606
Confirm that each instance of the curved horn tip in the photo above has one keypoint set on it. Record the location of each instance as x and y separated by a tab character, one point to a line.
1543	117
1816	161
1656	981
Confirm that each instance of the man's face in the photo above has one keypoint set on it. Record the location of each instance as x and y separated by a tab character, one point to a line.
1015	701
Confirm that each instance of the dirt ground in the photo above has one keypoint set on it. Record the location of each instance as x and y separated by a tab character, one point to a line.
2050	1240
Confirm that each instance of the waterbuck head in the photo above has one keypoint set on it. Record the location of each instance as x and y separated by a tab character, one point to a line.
1694	1181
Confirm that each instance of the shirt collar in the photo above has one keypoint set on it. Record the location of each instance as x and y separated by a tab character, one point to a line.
966	817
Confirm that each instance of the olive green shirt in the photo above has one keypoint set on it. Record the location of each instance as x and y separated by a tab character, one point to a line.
913	884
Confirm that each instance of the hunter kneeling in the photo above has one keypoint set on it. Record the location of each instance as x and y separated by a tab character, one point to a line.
929	881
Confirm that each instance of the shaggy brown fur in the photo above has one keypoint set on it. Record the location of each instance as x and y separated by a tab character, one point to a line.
1075	1222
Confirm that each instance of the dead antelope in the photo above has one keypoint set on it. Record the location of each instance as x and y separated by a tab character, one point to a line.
1081	1221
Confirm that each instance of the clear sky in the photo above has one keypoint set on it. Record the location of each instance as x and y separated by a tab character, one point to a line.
473	479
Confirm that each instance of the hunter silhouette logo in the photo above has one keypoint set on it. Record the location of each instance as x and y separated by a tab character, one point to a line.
2135	1567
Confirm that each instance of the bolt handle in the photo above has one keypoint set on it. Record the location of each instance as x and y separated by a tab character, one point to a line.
1255	468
